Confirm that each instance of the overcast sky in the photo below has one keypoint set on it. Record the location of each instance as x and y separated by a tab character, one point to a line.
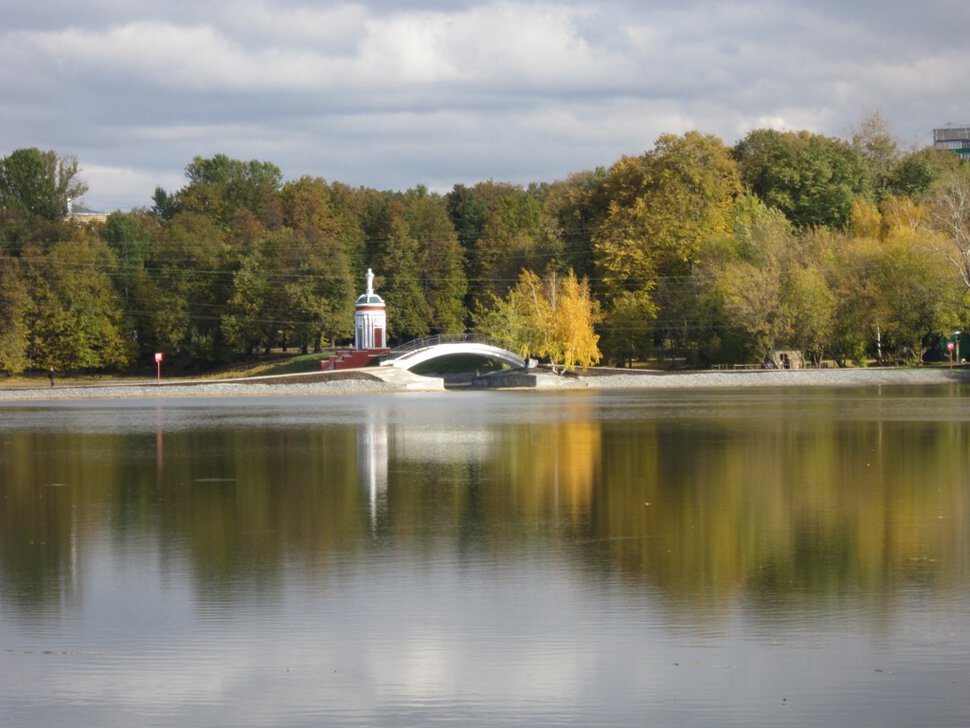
395	94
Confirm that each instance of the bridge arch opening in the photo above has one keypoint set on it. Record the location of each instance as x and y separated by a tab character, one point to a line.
457	364
418	352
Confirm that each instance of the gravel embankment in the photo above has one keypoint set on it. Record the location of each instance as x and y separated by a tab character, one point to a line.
777	378
213	389
400	382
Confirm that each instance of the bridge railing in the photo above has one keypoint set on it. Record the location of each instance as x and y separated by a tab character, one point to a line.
428	341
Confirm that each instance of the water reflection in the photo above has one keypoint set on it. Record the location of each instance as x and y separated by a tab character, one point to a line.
159	440
793	501
563	554
372	457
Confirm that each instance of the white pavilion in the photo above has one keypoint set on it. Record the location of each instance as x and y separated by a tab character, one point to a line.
370	319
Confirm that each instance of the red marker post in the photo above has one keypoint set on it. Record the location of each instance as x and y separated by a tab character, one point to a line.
158	367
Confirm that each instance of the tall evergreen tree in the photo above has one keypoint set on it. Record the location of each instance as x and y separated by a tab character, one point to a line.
404	293
441	259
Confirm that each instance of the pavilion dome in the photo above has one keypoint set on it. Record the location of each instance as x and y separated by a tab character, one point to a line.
369	299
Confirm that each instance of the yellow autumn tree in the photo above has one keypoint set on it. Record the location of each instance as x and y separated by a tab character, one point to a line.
572	340
551	317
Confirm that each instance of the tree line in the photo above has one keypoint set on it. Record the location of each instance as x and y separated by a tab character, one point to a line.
694	251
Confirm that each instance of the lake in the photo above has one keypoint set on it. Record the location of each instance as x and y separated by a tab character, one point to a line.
796	557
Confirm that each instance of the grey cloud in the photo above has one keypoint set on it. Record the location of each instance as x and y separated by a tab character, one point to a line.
391	94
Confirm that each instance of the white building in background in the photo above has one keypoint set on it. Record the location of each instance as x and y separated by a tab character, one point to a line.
81	214
370	319
954	138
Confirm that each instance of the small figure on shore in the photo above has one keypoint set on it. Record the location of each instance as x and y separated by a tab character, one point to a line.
51	376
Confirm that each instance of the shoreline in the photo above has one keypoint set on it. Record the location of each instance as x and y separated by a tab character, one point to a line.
788	378
386	380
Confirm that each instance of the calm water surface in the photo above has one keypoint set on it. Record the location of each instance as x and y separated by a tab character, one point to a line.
733	558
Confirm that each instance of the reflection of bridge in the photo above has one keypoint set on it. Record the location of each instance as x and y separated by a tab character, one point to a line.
421	350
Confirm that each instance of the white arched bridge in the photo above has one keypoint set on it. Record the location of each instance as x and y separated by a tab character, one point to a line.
434	347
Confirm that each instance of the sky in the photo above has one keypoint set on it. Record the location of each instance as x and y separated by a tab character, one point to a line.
391	95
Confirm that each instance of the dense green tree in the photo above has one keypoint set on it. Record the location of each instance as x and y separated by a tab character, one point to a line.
370	208
419	262
307	206
129	235
920	294
15	306
288	291
409	314
682	327
665	207
889	295
627	330
441	258
219	187
573	210
165	204
919	170
244	184
511	240
35	189
320	261
347	204
255	305
76	320
851	271
467	212
319	291
811	178
812	308
750	295
191	282
39	183
750	276
519	320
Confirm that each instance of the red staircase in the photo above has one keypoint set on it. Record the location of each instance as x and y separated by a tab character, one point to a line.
351	358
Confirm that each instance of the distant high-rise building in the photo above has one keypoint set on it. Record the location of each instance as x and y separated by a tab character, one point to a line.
954	138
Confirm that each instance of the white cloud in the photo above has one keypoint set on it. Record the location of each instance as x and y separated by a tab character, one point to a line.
167	56
391	94
501	46
111	188
334	26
